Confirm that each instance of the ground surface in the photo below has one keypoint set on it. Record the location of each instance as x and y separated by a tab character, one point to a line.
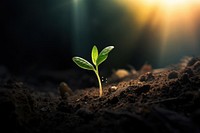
149	100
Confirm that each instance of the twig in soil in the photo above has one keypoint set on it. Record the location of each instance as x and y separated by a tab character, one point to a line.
164	100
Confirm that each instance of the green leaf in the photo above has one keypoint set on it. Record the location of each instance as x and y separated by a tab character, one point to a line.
82	63
103	55
94	54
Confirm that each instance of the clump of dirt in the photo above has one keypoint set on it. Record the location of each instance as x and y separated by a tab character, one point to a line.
163	100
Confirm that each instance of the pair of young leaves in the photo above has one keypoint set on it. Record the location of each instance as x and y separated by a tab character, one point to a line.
97	58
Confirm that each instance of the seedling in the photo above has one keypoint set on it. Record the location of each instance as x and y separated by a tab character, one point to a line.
97	59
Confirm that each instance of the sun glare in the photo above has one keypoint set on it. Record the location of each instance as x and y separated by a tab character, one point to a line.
167	2
174	2
163	7
177	21
169	5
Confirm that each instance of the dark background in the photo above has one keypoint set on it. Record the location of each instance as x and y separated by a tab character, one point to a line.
46	34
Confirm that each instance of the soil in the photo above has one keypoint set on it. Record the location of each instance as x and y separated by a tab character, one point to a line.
149	100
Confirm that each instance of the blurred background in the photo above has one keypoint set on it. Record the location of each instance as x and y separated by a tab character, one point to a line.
46	34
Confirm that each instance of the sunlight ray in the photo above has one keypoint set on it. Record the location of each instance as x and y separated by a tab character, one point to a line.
176	20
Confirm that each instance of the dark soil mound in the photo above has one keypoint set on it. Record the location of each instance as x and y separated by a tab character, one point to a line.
159	100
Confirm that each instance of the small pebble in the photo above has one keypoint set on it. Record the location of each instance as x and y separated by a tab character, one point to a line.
112	89
121	73
65	90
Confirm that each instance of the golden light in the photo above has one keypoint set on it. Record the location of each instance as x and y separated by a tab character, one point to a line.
177	20
171	8
167	3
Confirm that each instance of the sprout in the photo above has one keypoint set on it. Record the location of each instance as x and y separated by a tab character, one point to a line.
97	59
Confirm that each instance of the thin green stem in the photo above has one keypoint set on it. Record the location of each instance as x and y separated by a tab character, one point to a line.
100	86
